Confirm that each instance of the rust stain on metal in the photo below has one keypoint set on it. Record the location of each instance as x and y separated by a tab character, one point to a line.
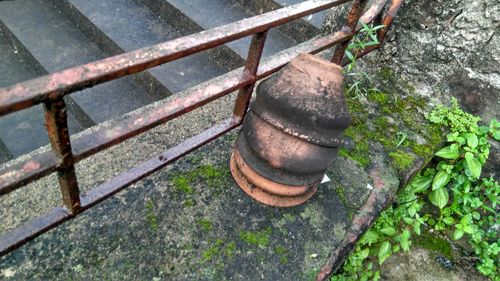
56	121
292	132
31	165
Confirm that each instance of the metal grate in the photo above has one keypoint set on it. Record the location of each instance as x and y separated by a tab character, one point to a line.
51	89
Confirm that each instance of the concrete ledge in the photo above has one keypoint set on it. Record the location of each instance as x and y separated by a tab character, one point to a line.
191	222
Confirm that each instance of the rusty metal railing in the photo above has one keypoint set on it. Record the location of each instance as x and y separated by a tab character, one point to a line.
51	89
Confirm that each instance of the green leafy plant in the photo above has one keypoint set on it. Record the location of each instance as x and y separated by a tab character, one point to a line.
459	202
366	37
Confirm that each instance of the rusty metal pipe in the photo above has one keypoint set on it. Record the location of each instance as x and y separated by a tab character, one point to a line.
292	132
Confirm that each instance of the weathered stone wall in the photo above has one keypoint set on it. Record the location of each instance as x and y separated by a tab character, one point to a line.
445	48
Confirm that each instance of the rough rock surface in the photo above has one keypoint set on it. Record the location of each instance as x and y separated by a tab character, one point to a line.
421	264
446	48
442	49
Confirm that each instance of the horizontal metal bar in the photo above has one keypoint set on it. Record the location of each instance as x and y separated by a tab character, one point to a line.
137	123
146	168
19	236
56	85
43	164
24	172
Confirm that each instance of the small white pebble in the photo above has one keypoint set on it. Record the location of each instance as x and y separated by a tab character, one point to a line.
369	186
313	256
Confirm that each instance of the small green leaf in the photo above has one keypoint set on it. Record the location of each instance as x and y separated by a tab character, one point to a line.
408	220
458	234
467	186
416	228
349	55
421	184
473	165
476	215
472	140
363	254
469	229
388	231
449	220
439	197
404	240
469	156
440	180
396	248
412	211
448	152
405	245
370	237
496	135
384	252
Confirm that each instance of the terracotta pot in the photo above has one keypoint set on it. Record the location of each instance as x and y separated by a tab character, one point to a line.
292	132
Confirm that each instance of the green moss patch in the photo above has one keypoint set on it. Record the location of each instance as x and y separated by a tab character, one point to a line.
150	215
281	252
434	243
210	176
259	238
205	224
401	160
182	184
392	115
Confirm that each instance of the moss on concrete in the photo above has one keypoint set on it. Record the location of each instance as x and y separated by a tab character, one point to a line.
258	238
282	254
401	160
434	243
383	116
213	251
314	215
205	224
182	184
211	176
377	97
285	220
341	194
150	215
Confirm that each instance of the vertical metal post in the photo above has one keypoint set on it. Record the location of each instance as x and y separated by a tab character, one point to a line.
251	67
351	22
56	120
